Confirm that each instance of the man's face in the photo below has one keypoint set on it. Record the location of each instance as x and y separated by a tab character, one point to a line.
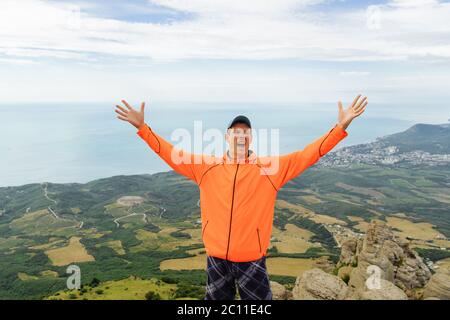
240	135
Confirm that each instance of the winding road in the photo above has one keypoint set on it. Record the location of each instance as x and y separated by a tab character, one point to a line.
144	218
44	187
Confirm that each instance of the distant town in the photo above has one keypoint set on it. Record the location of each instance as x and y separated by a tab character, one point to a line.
376	153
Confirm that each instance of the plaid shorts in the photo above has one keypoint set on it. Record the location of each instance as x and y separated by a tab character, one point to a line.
251	278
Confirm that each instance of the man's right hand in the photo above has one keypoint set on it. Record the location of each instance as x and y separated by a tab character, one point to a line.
136	118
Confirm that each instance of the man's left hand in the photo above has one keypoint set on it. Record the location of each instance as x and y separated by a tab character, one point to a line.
354	110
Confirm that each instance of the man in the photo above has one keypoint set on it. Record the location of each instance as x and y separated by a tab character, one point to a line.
237	197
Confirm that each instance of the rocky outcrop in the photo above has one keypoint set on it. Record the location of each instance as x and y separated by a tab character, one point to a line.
316	284
386	291
388	257
349	249
279	292
324	264
439	286
344	273
378	266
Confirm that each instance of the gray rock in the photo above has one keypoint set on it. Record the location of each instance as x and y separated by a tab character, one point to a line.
396	261
439	286
316	284
387	291
279	292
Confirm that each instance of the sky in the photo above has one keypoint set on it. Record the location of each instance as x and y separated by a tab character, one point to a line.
223	51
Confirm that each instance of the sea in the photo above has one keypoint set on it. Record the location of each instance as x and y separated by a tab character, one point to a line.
68	142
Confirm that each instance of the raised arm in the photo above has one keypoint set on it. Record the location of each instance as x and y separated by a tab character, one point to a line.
293	164
184	163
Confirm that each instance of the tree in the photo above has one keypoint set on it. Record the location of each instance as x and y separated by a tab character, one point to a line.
94	283
151	295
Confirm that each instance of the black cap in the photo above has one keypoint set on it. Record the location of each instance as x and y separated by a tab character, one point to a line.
240	119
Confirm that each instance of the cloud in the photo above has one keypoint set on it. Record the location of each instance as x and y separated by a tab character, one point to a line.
256	30
355	73
227	7
413	3
234	29
67	51
17	61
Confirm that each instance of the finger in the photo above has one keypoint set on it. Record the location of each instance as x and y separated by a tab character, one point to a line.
356	99
122	109
361	111
122	118
142	106
362	105
360	102
121	113
340	106
127	105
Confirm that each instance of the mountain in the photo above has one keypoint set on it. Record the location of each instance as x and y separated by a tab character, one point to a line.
142	232
434	139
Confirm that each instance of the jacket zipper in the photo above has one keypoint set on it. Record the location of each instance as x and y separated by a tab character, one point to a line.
231	211
259	240
204	228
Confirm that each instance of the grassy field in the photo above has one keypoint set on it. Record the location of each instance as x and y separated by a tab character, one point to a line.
361	190
359	224
295	208
355	219
322	218
311	199
149	241
49	273
52	244
116	245
445	263
73	252
288	266
42	222
419	230
293	240
127	289
26	277
197	262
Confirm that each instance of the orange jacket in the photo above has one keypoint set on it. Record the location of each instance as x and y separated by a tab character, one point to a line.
237	200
